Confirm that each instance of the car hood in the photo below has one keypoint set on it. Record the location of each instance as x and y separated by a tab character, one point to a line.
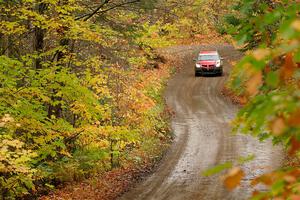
207	62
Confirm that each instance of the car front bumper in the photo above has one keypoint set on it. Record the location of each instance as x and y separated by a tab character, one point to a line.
214	70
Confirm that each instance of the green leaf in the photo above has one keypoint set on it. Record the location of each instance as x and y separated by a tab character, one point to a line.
246	159
272	79
217	169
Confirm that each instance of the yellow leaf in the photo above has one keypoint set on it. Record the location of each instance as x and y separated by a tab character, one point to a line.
65	153
296	24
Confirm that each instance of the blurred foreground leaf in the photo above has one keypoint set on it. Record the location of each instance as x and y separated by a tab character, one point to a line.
217	169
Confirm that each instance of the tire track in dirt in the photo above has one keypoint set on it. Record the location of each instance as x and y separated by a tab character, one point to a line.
202	138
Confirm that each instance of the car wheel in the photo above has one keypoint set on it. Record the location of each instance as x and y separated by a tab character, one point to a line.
196	74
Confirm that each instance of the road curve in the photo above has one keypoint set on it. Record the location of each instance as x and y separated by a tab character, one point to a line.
202	138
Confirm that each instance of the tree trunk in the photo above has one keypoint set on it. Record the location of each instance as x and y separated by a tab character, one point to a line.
6	45
39	34
39	45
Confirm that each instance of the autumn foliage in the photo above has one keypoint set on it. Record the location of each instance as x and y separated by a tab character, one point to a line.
268	78
81	85
80	91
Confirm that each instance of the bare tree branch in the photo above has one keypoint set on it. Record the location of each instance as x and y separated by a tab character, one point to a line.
99	11
118	5
88	16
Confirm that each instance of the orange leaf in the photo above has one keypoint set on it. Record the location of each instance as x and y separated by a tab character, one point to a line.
278	198
278	126
288	68
295	197
233	178
297	189
295	172
267	69
254	83
290	179
255	192
295	146
266	179
294	119
255	181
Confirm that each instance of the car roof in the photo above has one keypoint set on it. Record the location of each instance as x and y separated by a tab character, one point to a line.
208	53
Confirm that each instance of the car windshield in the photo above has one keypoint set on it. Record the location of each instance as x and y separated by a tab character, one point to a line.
208	57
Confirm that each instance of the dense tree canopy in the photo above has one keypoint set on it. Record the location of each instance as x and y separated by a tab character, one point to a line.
70	97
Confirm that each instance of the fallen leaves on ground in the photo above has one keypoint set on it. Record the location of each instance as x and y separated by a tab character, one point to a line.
109	186
240	100
211	38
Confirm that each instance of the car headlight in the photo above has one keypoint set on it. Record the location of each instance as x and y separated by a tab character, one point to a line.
198	65
218	64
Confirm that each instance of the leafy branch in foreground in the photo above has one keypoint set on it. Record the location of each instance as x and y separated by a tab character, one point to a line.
234	171
268	77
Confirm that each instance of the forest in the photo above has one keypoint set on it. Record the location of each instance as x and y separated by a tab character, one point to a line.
82	86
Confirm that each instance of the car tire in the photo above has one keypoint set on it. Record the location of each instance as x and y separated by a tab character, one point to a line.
221	73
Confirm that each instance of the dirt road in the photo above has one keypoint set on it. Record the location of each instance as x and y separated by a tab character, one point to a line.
202	138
